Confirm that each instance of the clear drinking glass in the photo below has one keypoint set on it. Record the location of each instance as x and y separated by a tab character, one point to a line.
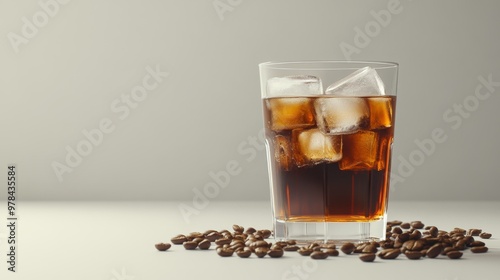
329	132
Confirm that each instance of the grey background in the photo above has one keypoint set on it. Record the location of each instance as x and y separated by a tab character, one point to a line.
89	53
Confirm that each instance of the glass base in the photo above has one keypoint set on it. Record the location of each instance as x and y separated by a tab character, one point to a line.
330	232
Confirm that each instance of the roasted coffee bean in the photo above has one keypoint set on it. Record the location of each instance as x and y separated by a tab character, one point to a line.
331	252
468	239
397	230
479	249
454	254
207	232
266	233
291	248
413	255
178	239
222	241
403	237
291	242
417	225
369	249
329	246
416	234
198	239
305	251
163	246
314	244
224	252
275	253
458	230
429	241
244	252
476	244
485	235
261	251
259	243
190	245
405	225
389	254
423	252
212	236
367	257
394	223
319	255
238	228
446	250
460	244
194	235
474	232
250	230
282	244
204	244
434	251
347	248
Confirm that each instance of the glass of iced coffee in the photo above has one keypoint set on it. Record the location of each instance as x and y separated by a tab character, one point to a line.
329	132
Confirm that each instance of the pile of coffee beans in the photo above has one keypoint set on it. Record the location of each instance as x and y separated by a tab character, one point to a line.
413	239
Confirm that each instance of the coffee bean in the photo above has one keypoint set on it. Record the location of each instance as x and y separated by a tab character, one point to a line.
479	249
460	244
197	239
476	244
194	235
367	257
222	241
434	251
485	235
417	225
250	230
305	251
413	255
389	254
369	249
454	254
458	230
224	252
446	250
291	248
331	252
329	246
207	232
261	251
275	253
163	246
314	244
244	252
204	244
178	239
394	223
386	244
190	245
238	228
212	236
319	255
266	233
397	230
416	234
468	239
405	225
282	244
347	248
474	232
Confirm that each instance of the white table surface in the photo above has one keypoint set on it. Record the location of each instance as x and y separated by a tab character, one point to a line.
115	241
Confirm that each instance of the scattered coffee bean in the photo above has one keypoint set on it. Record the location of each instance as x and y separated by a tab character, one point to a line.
163	246
291	248
413	255
319	255
476	244
434	251
347	248
261	251
394	223
417	225
212	236
367	257
389	254
405	225
178	239
222	241
204	244
305	251
224	252
190	245
238	228
454	254
275	253
250	230
474	232
485	235
244	252
479	249
446	250
369	249
331	252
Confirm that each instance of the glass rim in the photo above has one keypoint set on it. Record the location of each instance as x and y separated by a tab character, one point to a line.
335	64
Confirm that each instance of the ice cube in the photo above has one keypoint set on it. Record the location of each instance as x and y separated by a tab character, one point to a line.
363	82
312	146
380	112
341	115
283	151
290	113
360	151
302	85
